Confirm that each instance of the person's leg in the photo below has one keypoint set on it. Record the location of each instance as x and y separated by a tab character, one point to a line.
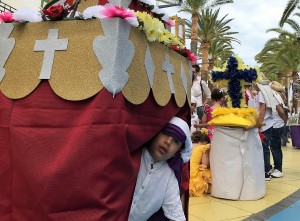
275	147
266	144
284	136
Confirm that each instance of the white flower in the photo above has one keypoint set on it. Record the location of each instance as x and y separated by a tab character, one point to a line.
93	11
26	14
77	14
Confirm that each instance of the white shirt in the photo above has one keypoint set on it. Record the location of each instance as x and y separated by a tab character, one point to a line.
278	121
197	92
253	100
268	119
155	187
194	120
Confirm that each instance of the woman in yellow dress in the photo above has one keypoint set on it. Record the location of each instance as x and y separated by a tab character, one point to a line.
200	176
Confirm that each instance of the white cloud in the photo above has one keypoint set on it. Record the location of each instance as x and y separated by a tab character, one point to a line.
251	19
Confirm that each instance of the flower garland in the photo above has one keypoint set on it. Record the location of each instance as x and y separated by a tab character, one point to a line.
151	4
235	75
6	17
153	27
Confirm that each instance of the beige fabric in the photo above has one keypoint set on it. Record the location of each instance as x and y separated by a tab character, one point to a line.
277	86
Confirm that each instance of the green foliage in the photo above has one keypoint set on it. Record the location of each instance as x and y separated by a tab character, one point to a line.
281	55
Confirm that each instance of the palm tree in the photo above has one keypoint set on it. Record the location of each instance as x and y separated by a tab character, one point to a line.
281	56
193	7
213	32
220	50
292	4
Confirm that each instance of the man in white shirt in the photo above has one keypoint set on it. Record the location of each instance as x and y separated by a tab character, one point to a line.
199	90
267	105
194	116
280	120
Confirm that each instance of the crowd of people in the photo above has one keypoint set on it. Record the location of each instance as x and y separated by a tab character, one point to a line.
270	101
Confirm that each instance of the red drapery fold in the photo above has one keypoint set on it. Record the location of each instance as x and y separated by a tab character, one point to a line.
63	160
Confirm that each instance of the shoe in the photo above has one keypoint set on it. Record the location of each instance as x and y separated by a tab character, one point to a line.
277	174
267	177
271	170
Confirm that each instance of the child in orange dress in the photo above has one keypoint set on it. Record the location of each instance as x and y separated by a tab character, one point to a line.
200	176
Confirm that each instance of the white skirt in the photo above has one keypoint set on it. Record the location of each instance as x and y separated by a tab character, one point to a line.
237	164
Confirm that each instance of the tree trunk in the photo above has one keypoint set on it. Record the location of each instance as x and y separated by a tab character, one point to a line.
205	62
194	34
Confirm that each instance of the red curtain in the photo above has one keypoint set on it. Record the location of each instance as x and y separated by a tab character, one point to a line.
73	160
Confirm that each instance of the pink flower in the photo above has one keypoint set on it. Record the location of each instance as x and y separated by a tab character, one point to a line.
175	47
6	17
193	58
170	22
112	11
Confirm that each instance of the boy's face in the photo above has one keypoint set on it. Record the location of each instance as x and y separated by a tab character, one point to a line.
163	147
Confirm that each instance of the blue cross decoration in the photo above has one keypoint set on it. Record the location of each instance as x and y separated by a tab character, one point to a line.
234	77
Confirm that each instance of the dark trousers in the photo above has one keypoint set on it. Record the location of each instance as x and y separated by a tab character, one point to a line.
275	147
266	144
284	135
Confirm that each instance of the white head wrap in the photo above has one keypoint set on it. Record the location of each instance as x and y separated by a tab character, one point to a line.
187	151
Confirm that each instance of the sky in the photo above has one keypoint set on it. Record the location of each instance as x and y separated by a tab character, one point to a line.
251	19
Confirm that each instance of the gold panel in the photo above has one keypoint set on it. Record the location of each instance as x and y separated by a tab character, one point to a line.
137	88
87	3
188	73
23	66
75	71
180	95
161	89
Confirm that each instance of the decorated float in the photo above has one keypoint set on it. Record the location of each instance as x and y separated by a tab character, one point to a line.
78	99
236	156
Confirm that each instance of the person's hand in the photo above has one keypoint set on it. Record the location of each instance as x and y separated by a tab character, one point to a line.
248	127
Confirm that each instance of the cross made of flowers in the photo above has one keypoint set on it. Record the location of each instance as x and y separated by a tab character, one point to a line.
234	77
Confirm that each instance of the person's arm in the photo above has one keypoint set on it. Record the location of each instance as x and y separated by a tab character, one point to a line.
262	112
172	205
200	125
207	93
281	113
204	118
205	157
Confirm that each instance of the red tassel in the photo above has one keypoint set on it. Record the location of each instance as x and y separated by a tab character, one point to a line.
262	137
